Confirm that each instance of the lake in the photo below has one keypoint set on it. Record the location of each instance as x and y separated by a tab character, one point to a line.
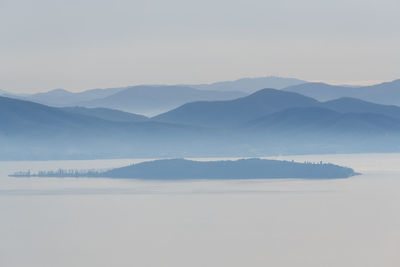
285	222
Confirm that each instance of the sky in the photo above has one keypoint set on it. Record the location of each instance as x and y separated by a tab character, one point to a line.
77	45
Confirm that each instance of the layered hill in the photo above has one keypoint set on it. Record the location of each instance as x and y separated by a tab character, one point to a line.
30	130
250	85
353	105
264	123
135	99
157	99
387	93
324	122
61	97
235	112
239	112
18	116
107	114
152	99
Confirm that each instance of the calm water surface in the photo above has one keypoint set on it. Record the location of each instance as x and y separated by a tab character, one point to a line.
104	222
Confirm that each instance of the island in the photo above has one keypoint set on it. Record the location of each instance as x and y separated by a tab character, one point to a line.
180	169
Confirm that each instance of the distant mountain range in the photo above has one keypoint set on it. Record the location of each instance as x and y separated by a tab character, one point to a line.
157	99
151	100
34	131
276	121
313	121
387	93
31	120
234	113
106	114
266	122
148	100
154	99
61	97
250	85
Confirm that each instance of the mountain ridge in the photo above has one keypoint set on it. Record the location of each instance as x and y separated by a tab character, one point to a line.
250	84
227	113
387	93
267	122
157	99
264	102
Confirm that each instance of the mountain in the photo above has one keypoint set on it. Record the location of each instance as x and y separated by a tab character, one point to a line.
31	120
250	85
235	112
106	114
321	121
27	118
17	115
276	121
387	93
30	130
135	99
61	97
157	99
353	105
154	99
267	122
322	91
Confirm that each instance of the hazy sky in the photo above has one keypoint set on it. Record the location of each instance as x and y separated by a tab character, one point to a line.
47	44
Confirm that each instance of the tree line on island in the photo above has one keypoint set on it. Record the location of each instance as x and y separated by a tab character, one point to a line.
174	169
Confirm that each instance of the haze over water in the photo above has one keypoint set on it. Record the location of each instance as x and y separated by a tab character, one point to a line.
287	222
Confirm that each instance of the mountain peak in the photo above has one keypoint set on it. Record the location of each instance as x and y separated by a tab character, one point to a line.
235	112
59	90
